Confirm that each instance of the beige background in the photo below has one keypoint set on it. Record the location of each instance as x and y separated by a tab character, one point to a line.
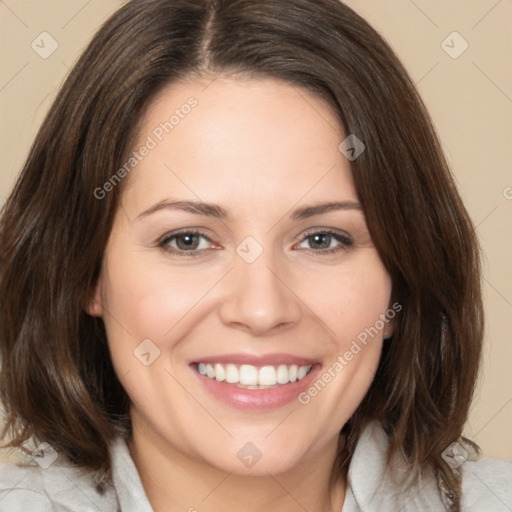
469	97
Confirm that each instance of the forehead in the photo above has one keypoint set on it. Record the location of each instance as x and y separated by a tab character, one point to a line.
254	140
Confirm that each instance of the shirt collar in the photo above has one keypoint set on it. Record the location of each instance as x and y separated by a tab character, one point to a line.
127	483
372	487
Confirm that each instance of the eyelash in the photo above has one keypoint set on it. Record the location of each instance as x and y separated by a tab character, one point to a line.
343	239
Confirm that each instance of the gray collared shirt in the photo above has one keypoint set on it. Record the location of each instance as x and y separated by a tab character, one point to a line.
61	487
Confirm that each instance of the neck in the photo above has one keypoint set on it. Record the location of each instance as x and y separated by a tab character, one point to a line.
175	482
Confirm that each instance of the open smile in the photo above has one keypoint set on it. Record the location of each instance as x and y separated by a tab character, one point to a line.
255	383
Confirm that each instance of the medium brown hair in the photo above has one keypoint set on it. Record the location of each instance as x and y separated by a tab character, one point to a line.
57	382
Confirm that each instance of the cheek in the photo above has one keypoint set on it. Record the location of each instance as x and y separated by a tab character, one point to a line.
350	299
143	301
149	300
351	302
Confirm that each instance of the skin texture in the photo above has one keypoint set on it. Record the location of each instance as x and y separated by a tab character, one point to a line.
259	149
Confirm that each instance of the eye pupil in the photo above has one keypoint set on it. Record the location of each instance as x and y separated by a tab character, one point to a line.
322	240
187	241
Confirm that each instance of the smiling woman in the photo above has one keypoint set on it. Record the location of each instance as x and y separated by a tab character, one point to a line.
277	305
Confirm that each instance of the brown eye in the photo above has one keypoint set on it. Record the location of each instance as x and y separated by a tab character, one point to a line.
320	241
326	241
187	242
192	242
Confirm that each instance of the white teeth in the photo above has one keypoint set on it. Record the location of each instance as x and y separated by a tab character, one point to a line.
248	375
282	376
254	377
232	374
267	376
302	372
220	374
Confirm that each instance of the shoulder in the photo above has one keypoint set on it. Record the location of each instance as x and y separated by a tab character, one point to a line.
375	486
487	485
60	486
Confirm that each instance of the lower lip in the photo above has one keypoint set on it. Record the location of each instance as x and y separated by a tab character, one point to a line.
257	399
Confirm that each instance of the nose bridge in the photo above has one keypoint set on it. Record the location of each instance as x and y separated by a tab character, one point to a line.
257	297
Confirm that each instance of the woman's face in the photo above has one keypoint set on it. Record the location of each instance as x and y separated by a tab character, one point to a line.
224	260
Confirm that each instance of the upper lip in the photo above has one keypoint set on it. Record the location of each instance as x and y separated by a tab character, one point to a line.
256	360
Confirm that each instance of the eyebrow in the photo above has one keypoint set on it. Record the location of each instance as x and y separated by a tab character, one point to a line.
197	207
216	211
311	211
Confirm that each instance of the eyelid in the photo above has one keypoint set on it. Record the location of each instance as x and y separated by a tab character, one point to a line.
327	231
184	231
341	236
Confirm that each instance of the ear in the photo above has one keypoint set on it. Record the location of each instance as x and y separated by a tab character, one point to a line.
94	306
391	316
389	329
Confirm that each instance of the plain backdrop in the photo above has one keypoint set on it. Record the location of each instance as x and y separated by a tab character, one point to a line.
465	78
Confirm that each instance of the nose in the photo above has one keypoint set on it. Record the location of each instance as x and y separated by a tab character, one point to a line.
258	298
